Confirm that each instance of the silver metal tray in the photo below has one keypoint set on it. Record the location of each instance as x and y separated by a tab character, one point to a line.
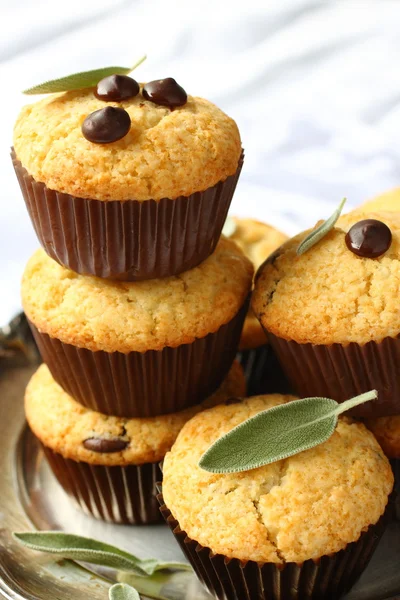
31	498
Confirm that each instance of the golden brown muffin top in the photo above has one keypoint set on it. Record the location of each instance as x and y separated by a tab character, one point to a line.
97	314
257	240
306	506
387	432
165	154
388	201
63	425
329	294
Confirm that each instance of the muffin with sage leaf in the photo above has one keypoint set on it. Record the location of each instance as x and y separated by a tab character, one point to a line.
262	369
289	517
328	301
109	464
124	180
140	348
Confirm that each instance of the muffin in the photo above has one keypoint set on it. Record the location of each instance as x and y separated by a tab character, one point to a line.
388	201
142	348
108	464
301	528
149	204
263	372
332	314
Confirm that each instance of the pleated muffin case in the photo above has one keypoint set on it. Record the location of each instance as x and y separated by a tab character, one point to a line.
139	349
332	317
303	528
108	464
149	205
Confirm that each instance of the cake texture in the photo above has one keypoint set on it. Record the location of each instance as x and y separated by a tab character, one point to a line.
149	205
165	154
144	348
108	464
388	201
120	317
300	529
332	315
309	505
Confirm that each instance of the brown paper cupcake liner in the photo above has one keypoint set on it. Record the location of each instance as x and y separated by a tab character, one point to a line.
341	372
231	579
264	374
125	494
144	384
127	240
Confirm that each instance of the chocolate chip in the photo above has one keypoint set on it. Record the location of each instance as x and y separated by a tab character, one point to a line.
104	445
106	125
232	401
369	238
166	92
116	88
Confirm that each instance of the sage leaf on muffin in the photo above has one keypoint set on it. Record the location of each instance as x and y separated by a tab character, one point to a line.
76	547
123	591
278	433
83	79
321	231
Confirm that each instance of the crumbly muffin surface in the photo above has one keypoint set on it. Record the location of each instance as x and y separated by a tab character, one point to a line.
165	154
387	432
97	314
63	424
257	240
307	506
388	201
330	295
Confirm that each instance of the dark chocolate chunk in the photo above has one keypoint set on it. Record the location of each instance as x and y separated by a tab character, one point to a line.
232	401
369	238
106	125
103	445
166	92
116	88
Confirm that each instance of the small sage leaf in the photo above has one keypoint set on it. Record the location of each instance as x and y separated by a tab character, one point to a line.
229	227
123	591
153	565
80	548
319	232
78	81
84	549
277	433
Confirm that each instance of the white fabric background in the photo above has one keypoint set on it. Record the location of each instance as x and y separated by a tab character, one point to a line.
314	86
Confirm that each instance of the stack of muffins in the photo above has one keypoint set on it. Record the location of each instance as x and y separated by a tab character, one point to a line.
135	302
138	305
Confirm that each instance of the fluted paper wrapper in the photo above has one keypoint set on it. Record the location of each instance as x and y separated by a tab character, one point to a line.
342	372
127	240
264	374
231	579
125	494
144	384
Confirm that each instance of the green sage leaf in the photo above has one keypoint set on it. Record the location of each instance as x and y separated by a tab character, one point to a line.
277	433
123	591
76	547
152	565
229	227
319	232
80	548
78	81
